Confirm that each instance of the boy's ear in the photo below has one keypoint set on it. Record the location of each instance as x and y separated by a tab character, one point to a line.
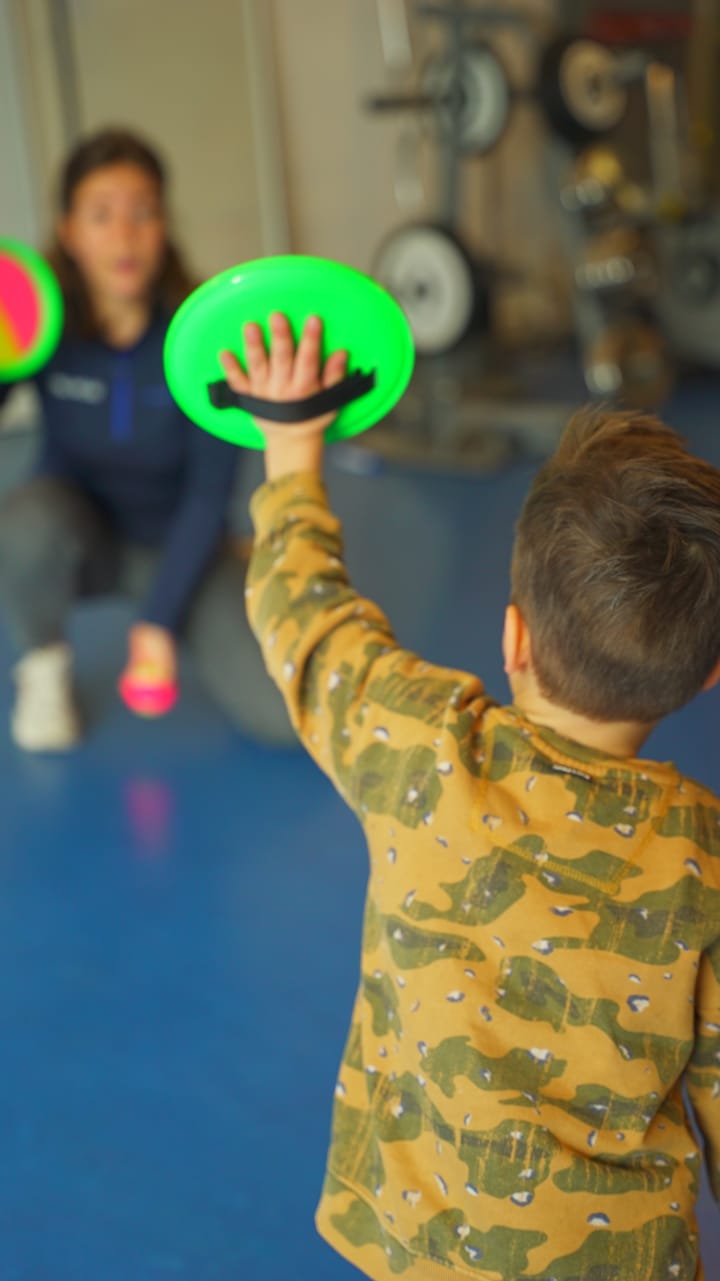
713	678
516	642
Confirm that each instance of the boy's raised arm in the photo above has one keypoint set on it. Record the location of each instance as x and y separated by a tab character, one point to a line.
368	711
287	374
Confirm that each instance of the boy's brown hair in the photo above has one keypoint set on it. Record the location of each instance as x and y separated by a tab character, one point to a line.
107	147
616	569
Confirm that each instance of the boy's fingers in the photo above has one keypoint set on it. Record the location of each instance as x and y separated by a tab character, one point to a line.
335	368
233	371
282	353
255	354
288	372
307	359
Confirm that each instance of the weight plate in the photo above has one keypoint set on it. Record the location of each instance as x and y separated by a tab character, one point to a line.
580	90
696	277
473	98
432	277
689	303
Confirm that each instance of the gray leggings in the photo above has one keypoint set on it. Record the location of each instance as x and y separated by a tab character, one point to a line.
55	547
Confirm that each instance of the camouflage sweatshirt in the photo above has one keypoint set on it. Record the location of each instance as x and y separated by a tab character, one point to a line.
540	958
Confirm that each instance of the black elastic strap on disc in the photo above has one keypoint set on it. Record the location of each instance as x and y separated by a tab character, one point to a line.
294	411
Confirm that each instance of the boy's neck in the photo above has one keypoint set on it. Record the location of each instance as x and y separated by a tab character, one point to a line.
611	738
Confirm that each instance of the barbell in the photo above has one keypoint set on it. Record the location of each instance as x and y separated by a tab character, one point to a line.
582	87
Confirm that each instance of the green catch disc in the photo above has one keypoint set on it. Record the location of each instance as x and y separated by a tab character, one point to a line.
359	316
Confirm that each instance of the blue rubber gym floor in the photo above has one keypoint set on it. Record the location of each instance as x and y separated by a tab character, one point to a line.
180	919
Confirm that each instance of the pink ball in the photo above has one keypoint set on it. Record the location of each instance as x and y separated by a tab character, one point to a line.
148	697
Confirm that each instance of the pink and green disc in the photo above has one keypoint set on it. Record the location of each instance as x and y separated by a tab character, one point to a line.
31	311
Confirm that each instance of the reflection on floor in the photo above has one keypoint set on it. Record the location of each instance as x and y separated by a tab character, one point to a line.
179	917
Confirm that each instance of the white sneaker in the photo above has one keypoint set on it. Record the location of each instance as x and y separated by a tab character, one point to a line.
45	717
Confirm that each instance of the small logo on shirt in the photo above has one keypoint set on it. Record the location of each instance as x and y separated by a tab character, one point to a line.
88	390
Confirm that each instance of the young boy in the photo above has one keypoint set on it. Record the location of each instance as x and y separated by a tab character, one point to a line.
541	950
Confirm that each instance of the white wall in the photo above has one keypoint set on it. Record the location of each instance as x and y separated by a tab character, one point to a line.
339	159
176	71
19	214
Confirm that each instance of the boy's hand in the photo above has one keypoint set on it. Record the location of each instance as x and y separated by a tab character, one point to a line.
287	373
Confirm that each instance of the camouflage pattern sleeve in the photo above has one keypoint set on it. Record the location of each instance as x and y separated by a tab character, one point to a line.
703	1074
349	687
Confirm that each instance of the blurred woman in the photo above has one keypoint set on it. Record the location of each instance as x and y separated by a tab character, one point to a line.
127	495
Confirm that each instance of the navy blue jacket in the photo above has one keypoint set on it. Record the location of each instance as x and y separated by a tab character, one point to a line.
111	427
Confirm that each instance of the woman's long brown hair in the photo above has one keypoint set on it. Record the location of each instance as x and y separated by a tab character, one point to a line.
112	147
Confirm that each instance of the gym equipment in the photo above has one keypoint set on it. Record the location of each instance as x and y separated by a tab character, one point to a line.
645	275
617	260
616	275
394	34
689	298
582	88
460	411
470	98
618	27
465	90
703	95
145	695
358	315
670	194
465	93
597	176
409	185
630	361
439	287
465	98
598	185
31	311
